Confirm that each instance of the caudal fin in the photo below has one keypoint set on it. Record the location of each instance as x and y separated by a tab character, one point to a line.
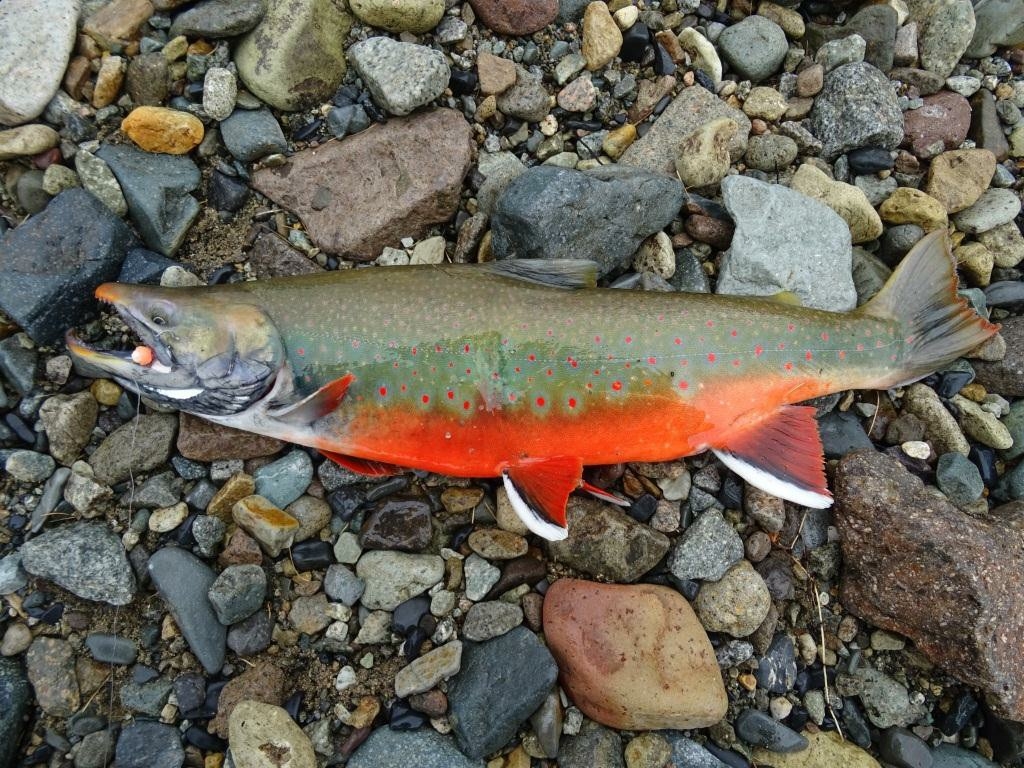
938	326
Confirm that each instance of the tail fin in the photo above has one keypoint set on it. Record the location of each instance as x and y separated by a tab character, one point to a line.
938	326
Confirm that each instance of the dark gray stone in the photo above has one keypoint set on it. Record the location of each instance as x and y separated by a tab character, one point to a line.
146	698
501	683
776	670
707	549
249	637
147	744
904	749
111	649
84	558
50	265
958	478
156	187
602	215
183	581
948	756
842	433
424	748
238	592
18	363
691	754
593	747
857	107
144	266
762	730
15	696
218	18
252	134
877	25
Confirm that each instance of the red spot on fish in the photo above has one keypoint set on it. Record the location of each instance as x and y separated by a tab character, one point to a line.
684	385
465	405
413	350
758	350
425	399
465	348
710	323
616	385
518	369
677	341
788	366
736	363
550	332
892	358
589	385
824	335
597	372
629	365
629	339
549	372
437	347
910	339
782	346
597	339
842	354
394	365
572	402
355	343
860	347
661	318
733	333
540	402
652	360
451	395
383	391
511	397
531	357
790	327
879	344
300	351
808	355
469	371
711	357
403	387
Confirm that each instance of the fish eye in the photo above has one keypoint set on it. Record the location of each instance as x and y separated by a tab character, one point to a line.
158	319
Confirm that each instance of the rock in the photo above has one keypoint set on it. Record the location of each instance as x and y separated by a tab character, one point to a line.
50	265
496	74
237	593
702	53
29	466
496	544
487	707
736	604
856	108
157	129
706	550
527	99
959	479
402	524
957	178
416	16
140	445
692	108
428	670
39	37
50	663
111	649
785	241
283	481
218	18
762	730
947	32
579	95
401	76
754	47
845	199
117	23
877	25
986	128
602	38
949	756
623	207
146	79
393	577
15	697
491	619
981	425
1006	243
97	177
424	748
202	440
902	747
941	123
263	683
273	528
770	152
156	188
603	540
149	744
84	558
353	204
994	208
184	581
633	657
12	575
844	50
220	91
825	748
912	206
893	532
295	56
691	754
765	103
515	17
776	670
997	23
27	140
264	736
941	428
593	747
252	134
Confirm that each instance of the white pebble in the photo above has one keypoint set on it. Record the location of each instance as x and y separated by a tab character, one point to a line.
916	449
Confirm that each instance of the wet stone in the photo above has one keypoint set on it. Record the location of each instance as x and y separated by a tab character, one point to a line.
480	577
393	577
496	544
762	730
397	525
281	482
425	748
273	528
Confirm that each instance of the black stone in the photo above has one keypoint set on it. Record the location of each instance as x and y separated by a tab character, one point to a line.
842	433
798	719
345	500
776	671
111	649
727	756
413	645
985	460
643	508
857	728
405	718
407	615
146	744
521	570
201	738
1004	293
251	636
951	382
222	275
51	264
142	266
388	487
762	730
462	82
312	555
959	716
865	160
189	690
663	64
346	95
904	749
399	524
15	696
294	704
635	42
460	536
227	193
309	130
1005	736
704	80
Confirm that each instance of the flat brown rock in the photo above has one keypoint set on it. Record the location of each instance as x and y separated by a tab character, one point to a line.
917	565
202	440
515	17
633	657
940	124
372	189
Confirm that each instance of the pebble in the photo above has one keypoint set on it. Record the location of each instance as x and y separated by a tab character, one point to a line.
219	92
425	748
50	664
602	39
403	525
496	544
904	749
157	129
856	108
1007	246
485	710
295	56
217	19
847	200
184	582
12	575
313	515
825	748
978	424
527	99
941	428
498	74
480	577
40	35
949	756
614	648
238	592
762	730
777	669
912	206
27	140
959	177
702	53
283	481
428	670
166	519
736	604
401	76
85	558
958	478
29	466
946	35
149	744
754	47
808	243
941	123
593	747
416	16
491	619
845	50
516	17
252	134
994	208
254	725
703	159
770	152
111	649
273	528
393	577
706	550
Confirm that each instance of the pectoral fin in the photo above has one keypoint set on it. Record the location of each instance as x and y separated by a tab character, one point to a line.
362	466
539	490
781	455
316	405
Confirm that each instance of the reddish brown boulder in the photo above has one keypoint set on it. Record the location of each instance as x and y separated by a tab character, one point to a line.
633	657
372	189
917	565
263	682
515	17
202	440
940	124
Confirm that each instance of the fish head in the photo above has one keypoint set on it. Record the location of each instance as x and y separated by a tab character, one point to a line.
205	352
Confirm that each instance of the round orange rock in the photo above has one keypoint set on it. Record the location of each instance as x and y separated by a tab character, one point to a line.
158	129
633	657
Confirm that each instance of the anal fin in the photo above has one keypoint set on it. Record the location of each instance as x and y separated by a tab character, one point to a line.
362	466
539	490
319	404
781	455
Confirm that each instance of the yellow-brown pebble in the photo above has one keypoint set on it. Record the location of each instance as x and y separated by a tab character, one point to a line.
236	488
618	141
108	81
158	129
273	528
105	391
912	206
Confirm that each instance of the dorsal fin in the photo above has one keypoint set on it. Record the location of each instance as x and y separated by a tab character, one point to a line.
556	273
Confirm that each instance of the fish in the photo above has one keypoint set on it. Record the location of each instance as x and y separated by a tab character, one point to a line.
523	370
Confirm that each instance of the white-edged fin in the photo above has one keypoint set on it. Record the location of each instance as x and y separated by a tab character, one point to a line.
159	367
532	519
180	394
769	483
603	495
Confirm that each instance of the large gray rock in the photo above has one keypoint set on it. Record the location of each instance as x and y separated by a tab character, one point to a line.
785	241
501	683
401	76
84	558
857	107
754	47
38	36
138	446
50	265
157	188
424	748
997	23
602	215
218	18
15	696
948	31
